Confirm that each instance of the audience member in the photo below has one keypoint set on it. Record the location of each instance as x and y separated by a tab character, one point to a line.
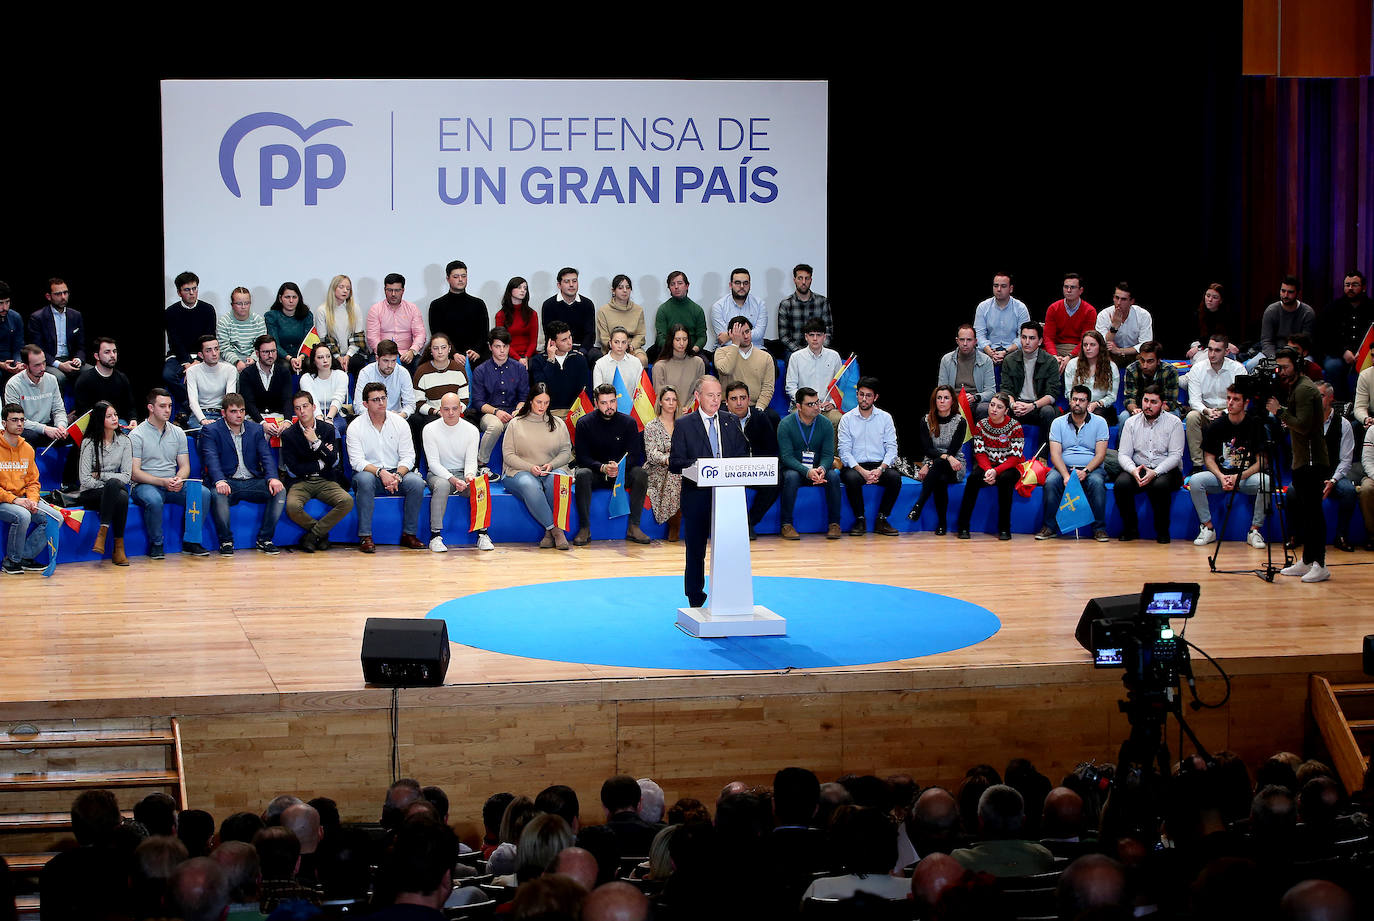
461	316
1284	317
1067	319
1124	327
739	360
289	321
997	320
207	381
1078	448
238	329
387	371
561	369
105	467
799	309
160	468
382	455
805	455
518	318
622	312
1031	377
265	386
868	449
37	393
239	467
1002	849
186	320
451	453
536	447
339	326
1147	369
998	443
1093	368
739	301
761	434
101	380
664	487
500	388
576	311
1151	457
313	466
678	310
941	455
969	369
396	319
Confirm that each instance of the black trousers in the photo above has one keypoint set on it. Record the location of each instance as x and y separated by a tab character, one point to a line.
1006	482
1160	492
112	501
586	479
890	480
1305	506
936	486
696	529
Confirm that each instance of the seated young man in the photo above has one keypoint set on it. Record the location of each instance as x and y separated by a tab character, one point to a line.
19	496
239	467
806	455
603	438
1234	460
162	463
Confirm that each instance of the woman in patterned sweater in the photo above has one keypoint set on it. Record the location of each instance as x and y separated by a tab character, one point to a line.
942	441
998	444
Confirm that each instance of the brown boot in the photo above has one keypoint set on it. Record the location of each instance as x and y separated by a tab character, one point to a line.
674	525
98	547
118	557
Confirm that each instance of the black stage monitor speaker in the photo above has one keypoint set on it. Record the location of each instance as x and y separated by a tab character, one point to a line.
1111	607
1369	654
401	653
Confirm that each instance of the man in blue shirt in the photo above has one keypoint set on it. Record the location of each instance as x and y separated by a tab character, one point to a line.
499	388
806	454
997	320
1078	446
239	467
868	449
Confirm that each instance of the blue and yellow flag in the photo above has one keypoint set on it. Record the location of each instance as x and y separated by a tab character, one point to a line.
195	512
624	398
52	533
1073	507
619	506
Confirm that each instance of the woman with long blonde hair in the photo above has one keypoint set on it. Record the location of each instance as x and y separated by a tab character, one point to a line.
340	326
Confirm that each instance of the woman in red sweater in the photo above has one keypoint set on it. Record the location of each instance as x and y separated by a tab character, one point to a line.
519	319
998	444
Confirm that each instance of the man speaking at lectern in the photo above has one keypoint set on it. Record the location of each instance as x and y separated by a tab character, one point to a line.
708	432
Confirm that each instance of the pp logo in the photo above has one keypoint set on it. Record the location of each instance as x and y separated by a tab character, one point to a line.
710	472
293	163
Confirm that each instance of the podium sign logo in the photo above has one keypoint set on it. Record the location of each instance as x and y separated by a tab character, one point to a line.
709	471
309	163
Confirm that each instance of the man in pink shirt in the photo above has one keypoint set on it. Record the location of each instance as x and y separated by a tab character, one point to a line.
1066	321
399	320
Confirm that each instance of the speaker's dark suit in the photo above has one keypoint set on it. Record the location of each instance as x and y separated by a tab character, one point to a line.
691	443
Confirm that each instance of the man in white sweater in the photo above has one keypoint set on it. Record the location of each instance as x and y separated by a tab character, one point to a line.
208	380
451	452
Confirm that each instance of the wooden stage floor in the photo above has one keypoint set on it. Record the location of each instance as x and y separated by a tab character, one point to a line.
259	648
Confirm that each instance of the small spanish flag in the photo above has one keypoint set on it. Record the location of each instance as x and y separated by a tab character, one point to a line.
77	430
580	407
691	407
479	501
966	411
1363	358
562	499
642	403
72	517
278	418
308	344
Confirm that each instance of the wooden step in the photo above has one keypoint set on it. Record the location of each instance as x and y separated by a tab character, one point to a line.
27	863
87	780
97	738
1352	690
41	821
1360	725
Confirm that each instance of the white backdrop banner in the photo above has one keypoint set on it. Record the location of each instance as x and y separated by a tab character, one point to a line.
272	181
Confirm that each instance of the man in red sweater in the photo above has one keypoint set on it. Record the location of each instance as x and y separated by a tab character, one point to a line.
1067	320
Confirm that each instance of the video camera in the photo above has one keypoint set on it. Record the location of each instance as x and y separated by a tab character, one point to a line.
1261	382
1144	644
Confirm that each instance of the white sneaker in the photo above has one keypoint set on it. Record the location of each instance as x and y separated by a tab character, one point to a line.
437	545
484	543
1204	537
1298	568
1256	539
1318	573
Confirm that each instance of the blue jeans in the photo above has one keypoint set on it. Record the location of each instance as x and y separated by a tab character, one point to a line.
174	379
254	490
17	547
150	499
1339	374
1094	487
366	486
536	492
792	481
1204	482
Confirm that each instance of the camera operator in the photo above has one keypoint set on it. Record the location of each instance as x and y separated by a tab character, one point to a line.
1301	414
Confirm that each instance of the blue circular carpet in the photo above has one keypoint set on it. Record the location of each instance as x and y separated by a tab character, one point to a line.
632	622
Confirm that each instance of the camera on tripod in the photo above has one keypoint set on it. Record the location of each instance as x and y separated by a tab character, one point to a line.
1144	643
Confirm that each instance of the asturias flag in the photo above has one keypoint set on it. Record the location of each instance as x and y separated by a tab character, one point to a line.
562	499
580	407
1073	507
52	533
195	511
844	384
619	505
642	403
623	399
479	501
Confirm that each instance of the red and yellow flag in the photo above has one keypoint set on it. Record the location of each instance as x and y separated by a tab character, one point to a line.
77	430
643	400
1363	358
966	411
308	344
71	517
580	407
479	502
562	499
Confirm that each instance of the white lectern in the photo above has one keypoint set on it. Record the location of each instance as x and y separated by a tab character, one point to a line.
730	608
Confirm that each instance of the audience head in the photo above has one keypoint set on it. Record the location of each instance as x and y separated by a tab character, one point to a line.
1093	881
1317	900
976	779
1001	813
1319	803
867	841
931	877
519	811
933	824
328	810
95	816
401	793
241	826
196	829
620	793
419	867
303	822
687	811
279	852
1062	814
242	869
272	814
577	864
660	859
650	800
600	841
541	841
198	891
343	864
158	813
548	898
615	901
492	811
796	796
437	798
